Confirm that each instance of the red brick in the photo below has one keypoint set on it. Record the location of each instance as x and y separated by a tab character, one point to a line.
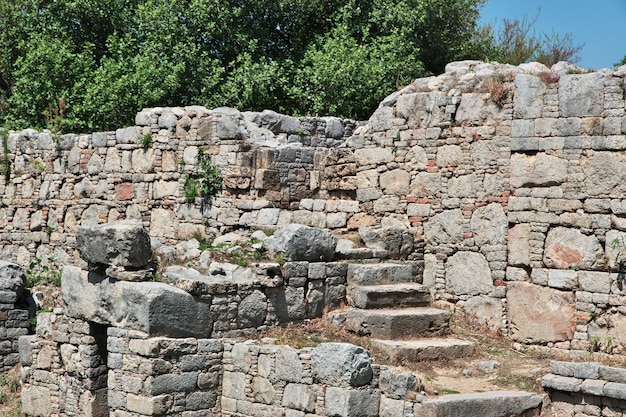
124	191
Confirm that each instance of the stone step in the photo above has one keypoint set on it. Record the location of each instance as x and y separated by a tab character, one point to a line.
406	323
380	274
483	404
389	295
428	349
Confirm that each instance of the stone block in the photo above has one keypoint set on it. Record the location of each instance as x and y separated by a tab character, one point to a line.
121	243
129	135
152	307
487	404
263	390
596	282
564	279
341	364
537	170
468	273
147	405
396	385
569	248
528	97
300	397
200	400
580	95
234	385
593	387
615	390
342	402
36	401
12	277
288	365
302	243
540	313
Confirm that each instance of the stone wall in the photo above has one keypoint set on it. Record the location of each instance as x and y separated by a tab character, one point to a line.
14	313
586	389
508	178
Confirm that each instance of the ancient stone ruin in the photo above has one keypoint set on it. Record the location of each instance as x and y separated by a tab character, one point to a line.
491	190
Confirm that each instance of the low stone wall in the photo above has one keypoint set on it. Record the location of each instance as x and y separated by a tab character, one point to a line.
586	389
14	313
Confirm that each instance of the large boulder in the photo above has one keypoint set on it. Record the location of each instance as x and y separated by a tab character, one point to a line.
153	307
122	243
570	248
12	277
298	242
539	313
341	365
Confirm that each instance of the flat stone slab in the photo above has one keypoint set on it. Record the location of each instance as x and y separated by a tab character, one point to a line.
430	349
484	404
380	274
389	295
406	323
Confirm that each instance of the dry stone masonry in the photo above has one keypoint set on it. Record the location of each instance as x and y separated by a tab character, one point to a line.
490	189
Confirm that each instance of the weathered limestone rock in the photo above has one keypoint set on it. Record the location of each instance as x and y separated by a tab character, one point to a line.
122	243
518	245
12	277
489	225
487	311
446	227
468	273
302	243
397	385
539	170
395	182
426	184
580	94
341	365
605	173
569	248
487	404
449	156
539	313
397	242
36	401
527	101
476	107
342	402
153	307
252	310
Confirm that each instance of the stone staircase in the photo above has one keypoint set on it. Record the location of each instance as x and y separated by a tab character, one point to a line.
387	304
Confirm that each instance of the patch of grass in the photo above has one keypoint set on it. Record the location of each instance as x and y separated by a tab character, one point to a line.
448	391
313	332
146	141
10	388
521	382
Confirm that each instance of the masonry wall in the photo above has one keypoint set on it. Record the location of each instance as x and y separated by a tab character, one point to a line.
586	389
509	178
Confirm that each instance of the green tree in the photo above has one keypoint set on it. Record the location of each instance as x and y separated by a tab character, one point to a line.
516	42
84	65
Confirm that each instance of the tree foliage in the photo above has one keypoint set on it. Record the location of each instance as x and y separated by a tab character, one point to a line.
516	42
81	65
85	65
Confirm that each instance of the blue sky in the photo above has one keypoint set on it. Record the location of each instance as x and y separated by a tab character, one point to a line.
598	24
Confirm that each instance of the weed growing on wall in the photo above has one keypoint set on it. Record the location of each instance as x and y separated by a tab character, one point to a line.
146	141
44	271
204	182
